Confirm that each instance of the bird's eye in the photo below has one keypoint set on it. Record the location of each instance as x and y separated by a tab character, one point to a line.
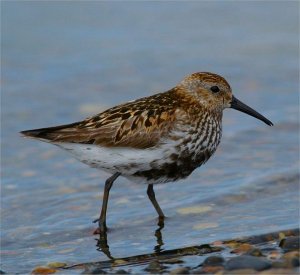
215	89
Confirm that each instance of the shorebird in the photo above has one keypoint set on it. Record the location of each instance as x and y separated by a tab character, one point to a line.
156	139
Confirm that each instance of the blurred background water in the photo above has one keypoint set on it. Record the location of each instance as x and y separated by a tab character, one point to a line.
63	61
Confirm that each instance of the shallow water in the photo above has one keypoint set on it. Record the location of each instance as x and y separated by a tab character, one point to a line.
62	62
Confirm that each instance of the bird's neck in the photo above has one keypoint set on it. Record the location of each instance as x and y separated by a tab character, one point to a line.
195	107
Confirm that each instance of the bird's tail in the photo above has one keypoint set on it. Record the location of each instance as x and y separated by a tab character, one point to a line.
49	133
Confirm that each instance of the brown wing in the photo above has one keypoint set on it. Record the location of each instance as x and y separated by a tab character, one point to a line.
137	124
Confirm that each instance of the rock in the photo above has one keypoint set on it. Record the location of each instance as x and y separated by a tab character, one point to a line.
290	243
243	248
213	261
274	255
291	255
247	261
288	260
180	270
43	270
254	252
232	244
154	267
206	248
209	269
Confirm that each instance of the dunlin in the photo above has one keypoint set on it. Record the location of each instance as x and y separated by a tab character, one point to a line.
156	139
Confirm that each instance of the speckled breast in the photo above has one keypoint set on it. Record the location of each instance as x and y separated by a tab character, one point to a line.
194	146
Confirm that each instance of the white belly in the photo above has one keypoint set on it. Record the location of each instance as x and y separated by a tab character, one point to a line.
125	160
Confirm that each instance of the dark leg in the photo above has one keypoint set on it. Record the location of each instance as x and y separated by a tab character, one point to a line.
102	219
151	195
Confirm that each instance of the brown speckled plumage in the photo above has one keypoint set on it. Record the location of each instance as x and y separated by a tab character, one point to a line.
155	139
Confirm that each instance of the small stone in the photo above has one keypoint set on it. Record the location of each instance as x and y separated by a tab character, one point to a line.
274	255
281	236
180	270
254	252
290	243
291	254
43	270
154	267
211	269
288	260
232	244
206	248
213	261
247	261
245	247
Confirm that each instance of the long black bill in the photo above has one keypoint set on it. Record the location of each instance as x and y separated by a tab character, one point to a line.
240	106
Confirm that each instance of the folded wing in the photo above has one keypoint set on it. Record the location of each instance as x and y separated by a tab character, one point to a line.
138	124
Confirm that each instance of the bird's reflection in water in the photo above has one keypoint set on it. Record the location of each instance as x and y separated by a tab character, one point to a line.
158	236
102	242
102	245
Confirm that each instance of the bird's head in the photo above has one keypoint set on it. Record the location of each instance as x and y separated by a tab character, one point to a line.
214	92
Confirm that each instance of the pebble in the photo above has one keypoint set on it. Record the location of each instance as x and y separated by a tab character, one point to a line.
254	252
247	261
291	255
209	270
213	261
288	260
274	255
245	247
154	267
232	244
43	270
180	270
290	243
